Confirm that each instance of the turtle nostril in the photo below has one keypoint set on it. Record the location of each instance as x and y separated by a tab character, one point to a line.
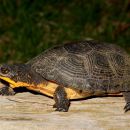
4	70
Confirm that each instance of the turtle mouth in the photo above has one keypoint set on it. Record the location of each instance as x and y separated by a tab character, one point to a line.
12	83
8	80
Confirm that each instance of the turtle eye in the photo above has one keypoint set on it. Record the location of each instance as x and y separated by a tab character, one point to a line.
4	70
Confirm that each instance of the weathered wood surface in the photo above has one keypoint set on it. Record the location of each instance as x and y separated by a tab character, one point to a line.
27	111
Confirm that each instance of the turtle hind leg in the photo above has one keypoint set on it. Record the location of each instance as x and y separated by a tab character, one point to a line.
6	91
127	99
61	101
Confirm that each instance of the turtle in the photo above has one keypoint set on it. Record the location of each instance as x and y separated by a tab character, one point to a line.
73	70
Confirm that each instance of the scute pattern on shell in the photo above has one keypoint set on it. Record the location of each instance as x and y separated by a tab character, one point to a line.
85	65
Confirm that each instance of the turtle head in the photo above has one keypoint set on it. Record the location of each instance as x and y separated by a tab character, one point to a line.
18	75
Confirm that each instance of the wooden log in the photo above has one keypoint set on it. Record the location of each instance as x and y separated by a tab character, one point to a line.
27	111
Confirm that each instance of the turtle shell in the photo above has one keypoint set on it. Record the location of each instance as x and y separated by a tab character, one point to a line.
88	66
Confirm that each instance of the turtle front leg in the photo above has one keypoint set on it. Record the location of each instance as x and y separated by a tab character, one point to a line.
6	90
127	99
61	101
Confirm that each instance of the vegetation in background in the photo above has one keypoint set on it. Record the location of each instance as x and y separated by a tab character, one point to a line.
28	27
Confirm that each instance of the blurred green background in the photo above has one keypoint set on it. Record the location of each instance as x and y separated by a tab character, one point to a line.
28	27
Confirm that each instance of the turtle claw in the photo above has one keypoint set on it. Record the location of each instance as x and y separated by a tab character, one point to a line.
6	91
127	107
60	109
